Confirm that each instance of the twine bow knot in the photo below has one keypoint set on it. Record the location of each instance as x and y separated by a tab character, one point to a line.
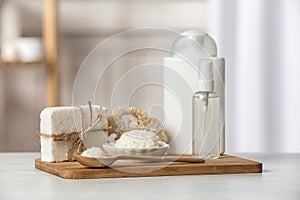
78	140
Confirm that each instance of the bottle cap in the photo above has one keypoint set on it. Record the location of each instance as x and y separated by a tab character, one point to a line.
194	44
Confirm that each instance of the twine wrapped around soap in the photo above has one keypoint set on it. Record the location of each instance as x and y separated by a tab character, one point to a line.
78	142
77	137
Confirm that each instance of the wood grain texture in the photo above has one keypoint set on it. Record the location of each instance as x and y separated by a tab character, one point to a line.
224	165
51	50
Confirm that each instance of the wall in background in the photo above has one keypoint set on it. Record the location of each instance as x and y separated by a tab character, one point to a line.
261	43
22	90
259	39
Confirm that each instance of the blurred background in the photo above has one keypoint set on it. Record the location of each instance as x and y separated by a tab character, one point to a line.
259	40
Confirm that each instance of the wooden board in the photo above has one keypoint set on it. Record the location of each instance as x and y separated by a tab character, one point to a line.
224	165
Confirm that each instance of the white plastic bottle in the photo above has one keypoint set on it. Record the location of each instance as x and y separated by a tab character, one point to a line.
189	48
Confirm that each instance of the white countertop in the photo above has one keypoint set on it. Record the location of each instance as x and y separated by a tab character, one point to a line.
279	180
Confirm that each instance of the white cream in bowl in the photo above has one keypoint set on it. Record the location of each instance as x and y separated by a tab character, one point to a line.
138	139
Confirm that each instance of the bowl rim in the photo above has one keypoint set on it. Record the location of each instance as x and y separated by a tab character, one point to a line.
161	144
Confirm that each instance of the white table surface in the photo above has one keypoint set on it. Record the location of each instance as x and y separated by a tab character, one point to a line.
279	180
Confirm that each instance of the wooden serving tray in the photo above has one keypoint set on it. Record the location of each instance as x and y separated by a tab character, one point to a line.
226	164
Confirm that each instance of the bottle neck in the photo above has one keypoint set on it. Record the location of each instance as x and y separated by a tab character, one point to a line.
203	97
206	85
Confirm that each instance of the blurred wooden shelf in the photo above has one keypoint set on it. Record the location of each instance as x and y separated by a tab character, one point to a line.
50	62
22	63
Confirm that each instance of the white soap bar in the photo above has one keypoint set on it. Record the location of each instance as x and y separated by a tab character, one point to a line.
67	119
57	151
54	151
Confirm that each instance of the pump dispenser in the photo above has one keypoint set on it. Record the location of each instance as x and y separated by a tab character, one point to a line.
192	51
205	81
206	115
